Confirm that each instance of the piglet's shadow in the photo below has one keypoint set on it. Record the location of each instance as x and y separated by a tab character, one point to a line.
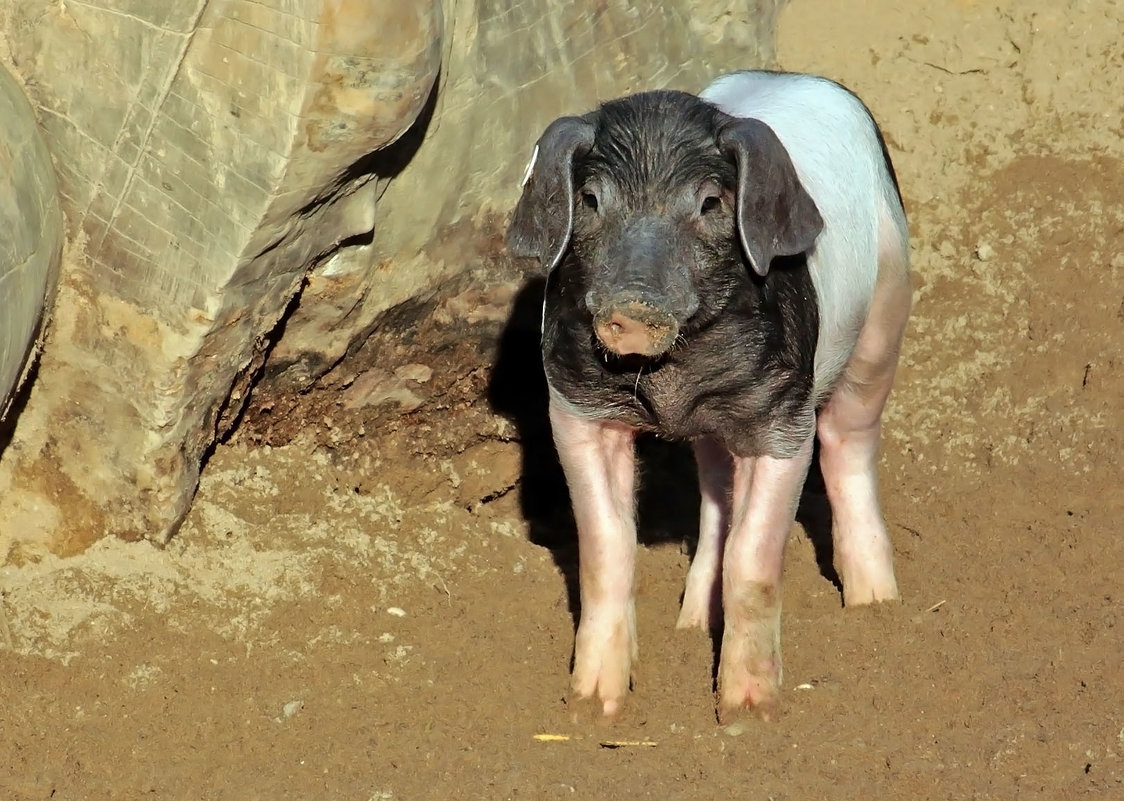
668	499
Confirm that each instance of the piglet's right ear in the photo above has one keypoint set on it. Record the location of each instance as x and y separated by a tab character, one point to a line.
544	216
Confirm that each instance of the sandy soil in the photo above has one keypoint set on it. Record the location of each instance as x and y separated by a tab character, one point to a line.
369	606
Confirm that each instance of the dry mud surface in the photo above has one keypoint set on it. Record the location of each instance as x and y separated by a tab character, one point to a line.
370	606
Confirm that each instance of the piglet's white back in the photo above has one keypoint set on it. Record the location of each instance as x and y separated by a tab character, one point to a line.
834	146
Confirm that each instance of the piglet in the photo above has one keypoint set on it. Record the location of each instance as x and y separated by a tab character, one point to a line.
730	269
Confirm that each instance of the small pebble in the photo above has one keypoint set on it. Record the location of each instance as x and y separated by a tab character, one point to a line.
291	708
985	252
414	372
397	611
736	729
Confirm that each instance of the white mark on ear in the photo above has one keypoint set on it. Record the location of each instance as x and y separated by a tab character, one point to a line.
530	166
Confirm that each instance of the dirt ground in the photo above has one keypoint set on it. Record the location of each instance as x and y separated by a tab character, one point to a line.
365	605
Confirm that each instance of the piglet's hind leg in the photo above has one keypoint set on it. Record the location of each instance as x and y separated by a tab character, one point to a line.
849	428
598	458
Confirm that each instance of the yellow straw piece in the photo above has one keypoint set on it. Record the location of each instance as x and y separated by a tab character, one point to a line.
565	738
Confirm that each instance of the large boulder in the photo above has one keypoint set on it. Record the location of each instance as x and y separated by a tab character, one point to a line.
226	166
30	237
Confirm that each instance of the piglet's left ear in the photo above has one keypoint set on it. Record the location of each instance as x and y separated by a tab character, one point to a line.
775	214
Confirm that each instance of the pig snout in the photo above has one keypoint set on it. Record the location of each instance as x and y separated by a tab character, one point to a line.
641	294
631	326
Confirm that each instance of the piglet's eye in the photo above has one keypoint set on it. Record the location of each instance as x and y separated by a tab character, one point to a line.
589	200
710	203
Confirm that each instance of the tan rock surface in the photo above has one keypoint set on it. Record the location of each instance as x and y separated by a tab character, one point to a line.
205	154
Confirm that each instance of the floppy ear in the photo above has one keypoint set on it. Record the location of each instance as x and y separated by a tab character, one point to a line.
775	214
544	216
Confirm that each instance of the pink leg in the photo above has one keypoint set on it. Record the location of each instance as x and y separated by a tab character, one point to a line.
702	598
863	553
849	426
598	458
765	494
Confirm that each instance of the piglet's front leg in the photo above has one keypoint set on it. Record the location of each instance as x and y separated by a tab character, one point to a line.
765	494
598	458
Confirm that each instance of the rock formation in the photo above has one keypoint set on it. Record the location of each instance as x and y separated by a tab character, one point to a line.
225	165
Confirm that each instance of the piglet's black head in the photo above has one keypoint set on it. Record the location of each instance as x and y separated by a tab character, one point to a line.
650	145
544	217
775	214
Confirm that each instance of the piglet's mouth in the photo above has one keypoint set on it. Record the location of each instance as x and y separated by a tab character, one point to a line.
631	365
